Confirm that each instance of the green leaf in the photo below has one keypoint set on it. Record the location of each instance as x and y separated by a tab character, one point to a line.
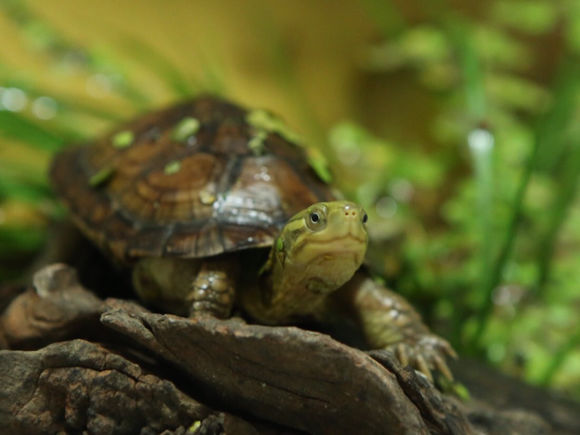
471	69
159	63
560	357
265	120
318	163
256	143
16	240
531	16
17	127
498	47
65	103
516	92
558	212
12	187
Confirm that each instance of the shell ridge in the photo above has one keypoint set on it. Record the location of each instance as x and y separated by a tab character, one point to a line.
222	197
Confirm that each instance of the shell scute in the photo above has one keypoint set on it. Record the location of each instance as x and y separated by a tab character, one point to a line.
218	196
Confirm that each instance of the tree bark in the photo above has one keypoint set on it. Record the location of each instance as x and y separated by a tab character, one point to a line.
114	367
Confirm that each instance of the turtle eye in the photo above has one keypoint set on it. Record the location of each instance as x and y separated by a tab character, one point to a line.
365	218
316	219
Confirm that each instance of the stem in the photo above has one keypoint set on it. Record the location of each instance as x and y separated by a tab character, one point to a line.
560	357
548	133
554	138
566	194
492	279
481	144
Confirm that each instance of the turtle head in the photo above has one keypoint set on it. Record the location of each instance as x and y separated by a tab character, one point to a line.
326	233
318	250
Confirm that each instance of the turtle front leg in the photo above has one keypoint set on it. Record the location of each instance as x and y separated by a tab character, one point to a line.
213	289
187	286
389	322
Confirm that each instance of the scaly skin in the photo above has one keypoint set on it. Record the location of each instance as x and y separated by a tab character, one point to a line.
310	262
388	321
312	269
318	251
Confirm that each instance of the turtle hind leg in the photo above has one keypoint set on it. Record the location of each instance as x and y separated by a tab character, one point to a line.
165	283
213	288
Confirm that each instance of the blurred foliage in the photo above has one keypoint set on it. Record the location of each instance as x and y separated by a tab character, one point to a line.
457	129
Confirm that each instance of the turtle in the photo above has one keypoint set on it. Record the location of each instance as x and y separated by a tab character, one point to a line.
217	208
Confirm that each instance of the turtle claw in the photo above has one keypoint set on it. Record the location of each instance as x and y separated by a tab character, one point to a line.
442	366
423	367
402	355
426	354
450	351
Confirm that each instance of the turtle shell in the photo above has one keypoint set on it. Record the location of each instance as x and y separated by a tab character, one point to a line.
194	180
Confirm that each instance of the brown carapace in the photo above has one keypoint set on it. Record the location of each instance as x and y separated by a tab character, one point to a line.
186	182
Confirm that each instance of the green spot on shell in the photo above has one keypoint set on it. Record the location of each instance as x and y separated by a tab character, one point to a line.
102	176
187	127
123	139
172	167
263	120
256	143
